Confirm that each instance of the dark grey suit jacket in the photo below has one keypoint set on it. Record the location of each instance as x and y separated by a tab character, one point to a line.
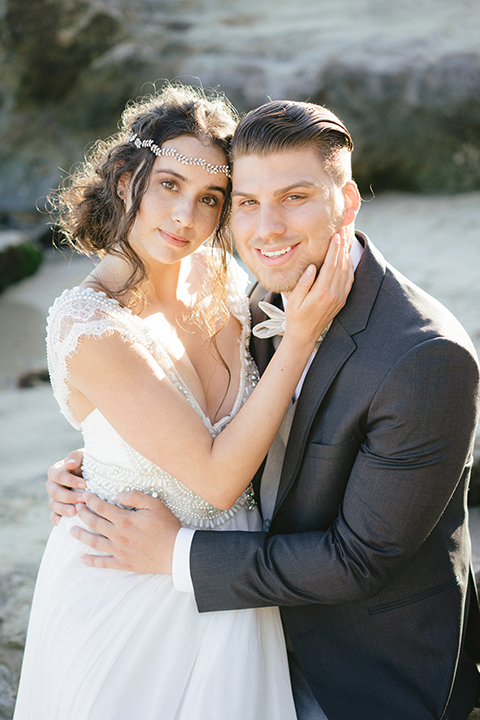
368	552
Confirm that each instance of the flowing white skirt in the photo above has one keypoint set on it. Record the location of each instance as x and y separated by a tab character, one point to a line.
115	645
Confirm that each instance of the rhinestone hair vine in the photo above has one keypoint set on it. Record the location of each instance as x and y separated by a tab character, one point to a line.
171	152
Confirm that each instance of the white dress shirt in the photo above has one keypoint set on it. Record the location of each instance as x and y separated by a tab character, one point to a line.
181	574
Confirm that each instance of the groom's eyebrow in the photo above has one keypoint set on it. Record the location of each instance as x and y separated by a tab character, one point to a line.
280	191
239	193
295	185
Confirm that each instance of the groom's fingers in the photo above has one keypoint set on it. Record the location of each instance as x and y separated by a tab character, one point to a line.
73	462
61	500
95	515
139	500
104	510
101	561
96	542
141	541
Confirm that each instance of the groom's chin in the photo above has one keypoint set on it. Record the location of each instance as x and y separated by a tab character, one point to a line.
280	280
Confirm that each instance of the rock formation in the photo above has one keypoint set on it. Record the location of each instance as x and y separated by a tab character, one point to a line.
405	77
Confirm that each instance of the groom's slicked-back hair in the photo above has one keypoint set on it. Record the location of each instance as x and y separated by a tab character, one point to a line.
283	125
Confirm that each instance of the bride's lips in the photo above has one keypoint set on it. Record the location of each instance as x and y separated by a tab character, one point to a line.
175	240
276	256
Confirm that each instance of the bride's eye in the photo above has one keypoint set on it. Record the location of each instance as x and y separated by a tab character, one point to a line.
169	184
209	200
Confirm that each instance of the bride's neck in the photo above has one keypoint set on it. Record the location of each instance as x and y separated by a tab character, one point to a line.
167	286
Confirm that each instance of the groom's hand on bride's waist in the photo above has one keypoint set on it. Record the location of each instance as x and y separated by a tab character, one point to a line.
63	485
140	541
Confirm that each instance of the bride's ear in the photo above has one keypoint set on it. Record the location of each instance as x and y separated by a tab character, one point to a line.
352	199
123	186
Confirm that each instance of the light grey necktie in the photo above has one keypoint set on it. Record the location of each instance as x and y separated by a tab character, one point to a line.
273	468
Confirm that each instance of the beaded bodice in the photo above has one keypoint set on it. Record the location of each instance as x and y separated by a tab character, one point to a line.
111	465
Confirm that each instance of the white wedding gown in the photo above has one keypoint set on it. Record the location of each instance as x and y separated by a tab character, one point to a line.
115	645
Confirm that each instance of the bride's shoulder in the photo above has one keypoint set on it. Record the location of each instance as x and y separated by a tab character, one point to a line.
85	311
82	301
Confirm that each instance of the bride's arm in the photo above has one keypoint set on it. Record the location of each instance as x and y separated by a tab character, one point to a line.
125	383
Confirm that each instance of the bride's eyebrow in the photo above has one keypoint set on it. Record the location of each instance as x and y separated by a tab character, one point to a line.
168	171
158	171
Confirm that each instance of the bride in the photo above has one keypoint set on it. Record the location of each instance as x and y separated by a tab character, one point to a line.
149	358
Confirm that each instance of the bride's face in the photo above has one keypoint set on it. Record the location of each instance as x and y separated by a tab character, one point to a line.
181	206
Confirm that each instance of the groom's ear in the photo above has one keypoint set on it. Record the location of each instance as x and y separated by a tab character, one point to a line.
352	200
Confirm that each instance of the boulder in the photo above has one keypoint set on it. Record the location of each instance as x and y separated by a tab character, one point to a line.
404	76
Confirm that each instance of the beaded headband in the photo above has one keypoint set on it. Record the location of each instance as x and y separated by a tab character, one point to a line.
171	152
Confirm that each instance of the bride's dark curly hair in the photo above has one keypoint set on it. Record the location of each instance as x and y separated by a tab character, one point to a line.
90	215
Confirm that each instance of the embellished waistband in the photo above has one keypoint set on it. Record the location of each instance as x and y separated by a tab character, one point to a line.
107	479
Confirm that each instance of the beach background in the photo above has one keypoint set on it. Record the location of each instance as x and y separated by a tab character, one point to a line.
405	78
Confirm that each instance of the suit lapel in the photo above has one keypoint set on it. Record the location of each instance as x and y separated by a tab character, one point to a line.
331	356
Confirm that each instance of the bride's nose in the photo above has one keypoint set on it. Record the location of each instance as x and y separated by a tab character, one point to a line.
183	212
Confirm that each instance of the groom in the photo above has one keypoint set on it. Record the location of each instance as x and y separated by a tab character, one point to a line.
365	545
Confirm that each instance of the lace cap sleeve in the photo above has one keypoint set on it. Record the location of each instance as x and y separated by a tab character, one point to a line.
78	313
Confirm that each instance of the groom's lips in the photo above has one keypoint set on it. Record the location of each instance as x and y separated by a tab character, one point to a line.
285	254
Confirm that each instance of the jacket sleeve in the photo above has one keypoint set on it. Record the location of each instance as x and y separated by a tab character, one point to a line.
421	423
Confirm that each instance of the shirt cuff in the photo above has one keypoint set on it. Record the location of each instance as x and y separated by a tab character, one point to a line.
181	576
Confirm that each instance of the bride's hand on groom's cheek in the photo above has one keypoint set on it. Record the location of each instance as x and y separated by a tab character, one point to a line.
140	541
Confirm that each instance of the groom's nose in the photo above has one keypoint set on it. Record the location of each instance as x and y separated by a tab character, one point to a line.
270	223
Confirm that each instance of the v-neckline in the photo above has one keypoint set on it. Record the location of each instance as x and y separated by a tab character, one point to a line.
217	426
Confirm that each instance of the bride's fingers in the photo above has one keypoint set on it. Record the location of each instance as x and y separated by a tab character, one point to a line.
334	261
336	274
303	286
341	277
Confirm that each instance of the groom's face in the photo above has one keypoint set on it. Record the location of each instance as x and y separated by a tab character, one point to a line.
285	210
